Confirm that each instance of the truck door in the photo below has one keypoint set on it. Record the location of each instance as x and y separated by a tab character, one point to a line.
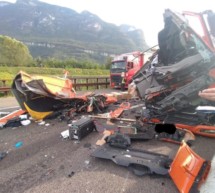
204	25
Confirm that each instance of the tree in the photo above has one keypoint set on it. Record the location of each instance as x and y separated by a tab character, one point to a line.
13	52
108	62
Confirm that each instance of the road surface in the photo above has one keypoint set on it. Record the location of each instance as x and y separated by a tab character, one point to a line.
47	163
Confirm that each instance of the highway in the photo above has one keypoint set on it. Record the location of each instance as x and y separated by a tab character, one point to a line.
45	162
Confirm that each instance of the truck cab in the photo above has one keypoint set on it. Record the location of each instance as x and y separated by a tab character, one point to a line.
123	67
203	24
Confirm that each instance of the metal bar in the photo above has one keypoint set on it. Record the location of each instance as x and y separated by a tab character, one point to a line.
86	83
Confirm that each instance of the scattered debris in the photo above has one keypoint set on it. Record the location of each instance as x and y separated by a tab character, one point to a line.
19	144
118	119
72	173
13	119
26	122
87	162
41	123
3	155
141	162
188	170
87	145
118	140
81	128
102	141
65	134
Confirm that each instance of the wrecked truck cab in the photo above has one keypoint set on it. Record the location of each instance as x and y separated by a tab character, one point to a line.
182	57
183	66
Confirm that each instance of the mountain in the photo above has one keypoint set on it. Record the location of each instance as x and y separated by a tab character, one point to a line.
54	31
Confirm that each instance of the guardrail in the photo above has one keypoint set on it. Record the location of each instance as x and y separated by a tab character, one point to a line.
79	83
4	88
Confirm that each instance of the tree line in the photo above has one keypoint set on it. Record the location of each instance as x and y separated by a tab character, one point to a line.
15	53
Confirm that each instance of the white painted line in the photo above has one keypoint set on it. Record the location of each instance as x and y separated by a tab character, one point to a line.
9	108
4	113
209	185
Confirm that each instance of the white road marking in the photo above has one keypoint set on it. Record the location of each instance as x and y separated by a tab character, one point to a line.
5	108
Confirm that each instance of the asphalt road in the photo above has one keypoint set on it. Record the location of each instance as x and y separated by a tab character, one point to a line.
47	163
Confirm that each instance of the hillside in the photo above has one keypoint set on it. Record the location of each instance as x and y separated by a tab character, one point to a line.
54	31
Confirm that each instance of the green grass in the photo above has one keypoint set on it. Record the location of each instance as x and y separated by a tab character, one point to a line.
10	72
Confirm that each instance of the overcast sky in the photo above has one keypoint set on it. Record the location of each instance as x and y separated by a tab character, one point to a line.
146	15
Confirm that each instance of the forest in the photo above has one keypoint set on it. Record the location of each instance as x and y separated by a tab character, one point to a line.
14	53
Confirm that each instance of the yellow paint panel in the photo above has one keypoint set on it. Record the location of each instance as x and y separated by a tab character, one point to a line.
55	85
37	115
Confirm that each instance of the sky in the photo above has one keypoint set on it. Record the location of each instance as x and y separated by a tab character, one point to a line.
146	15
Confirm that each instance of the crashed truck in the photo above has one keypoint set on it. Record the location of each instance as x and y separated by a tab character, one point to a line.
167	85
184	65
123	67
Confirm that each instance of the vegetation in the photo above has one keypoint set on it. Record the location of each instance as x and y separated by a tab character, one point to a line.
10	72
15	56
13	52
68	63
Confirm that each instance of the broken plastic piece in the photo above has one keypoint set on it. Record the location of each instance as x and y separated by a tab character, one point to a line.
188	170
65	134
118	119
205	109
3	155
10	116
18	144
25	122
203	130
118	140
117	112
141	162
106	134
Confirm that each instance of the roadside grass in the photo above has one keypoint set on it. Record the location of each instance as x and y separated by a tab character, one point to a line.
10	72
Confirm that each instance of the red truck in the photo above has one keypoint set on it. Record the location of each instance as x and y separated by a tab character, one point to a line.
123	67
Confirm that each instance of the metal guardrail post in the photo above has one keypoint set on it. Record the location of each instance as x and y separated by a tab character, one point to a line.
87	83
4	89
97	83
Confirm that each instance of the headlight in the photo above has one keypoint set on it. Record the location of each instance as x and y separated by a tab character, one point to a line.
123	74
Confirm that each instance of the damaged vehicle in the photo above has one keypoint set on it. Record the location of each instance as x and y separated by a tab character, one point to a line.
169	84
184	65
43	96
